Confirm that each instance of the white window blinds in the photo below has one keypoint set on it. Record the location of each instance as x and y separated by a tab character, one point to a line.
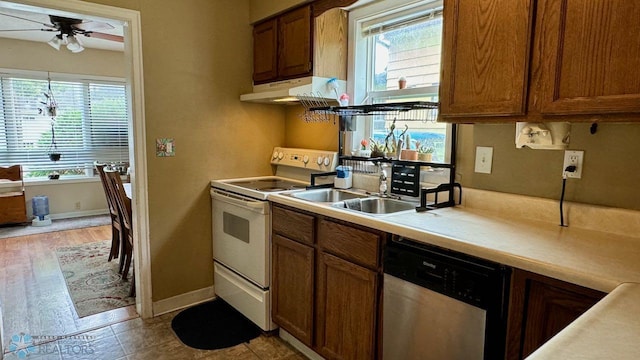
91	124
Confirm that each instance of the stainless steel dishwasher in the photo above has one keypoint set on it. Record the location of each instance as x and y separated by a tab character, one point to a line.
440	304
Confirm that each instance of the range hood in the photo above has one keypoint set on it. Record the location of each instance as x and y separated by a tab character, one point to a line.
289	91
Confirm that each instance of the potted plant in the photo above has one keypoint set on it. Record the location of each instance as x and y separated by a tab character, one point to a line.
425	153
377	148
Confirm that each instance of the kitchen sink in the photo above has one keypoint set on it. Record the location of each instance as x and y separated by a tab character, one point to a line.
375	205
326	195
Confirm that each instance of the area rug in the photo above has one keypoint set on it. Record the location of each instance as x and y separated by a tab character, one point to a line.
56	225
213	325
93	283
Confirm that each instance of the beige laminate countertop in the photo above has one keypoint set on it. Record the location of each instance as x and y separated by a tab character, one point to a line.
595	259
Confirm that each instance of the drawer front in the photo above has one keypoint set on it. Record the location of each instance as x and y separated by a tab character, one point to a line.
293	225
360	246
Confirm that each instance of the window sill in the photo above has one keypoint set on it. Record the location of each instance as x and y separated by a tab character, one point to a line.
46	182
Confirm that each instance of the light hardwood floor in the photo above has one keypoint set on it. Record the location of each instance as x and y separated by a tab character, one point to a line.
33	292
35	301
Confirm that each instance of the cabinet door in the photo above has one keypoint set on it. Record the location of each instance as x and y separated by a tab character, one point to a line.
295	43
588	54
540	308
265	51
485	57
346	313
292	287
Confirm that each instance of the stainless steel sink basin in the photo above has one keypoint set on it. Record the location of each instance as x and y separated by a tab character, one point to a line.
376	205
326	195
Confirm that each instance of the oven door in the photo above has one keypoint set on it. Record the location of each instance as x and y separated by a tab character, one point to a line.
241	228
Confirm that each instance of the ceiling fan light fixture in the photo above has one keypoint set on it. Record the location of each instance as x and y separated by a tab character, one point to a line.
73	44
55	42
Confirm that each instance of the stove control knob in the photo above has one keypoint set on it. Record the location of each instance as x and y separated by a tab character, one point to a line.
280	155
319	160
327	161
275	154
305	159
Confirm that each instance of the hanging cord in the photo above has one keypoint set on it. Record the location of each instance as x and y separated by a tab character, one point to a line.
570	168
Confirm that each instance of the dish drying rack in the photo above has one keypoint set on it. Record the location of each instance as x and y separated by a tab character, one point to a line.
318	110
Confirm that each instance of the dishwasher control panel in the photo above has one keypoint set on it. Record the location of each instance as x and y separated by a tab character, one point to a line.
472	280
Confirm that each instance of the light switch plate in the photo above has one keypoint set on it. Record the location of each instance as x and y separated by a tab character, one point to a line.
484	158
165	147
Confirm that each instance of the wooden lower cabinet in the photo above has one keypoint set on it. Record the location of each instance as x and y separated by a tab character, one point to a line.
346	309
540	308
326	292
292	287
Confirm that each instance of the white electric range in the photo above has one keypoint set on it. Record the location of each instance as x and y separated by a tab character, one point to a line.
241	221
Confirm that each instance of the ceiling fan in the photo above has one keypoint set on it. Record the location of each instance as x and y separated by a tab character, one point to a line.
68	31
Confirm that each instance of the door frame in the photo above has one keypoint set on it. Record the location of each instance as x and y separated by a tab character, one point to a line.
137	142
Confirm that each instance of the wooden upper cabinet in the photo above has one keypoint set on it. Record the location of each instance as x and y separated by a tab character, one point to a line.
265	51
589	56
309	40
485	57
295	43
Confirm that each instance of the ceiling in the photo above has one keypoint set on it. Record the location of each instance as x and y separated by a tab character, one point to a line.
42	16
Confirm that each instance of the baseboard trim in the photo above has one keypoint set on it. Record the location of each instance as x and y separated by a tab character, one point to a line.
183	300
77	214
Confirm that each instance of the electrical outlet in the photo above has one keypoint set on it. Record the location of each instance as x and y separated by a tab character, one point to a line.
573	157
78	205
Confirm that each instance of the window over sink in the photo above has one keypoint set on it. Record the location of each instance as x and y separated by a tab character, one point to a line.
395	49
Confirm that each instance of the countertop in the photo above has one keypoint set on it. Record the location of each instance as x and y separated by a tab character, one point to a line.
595	259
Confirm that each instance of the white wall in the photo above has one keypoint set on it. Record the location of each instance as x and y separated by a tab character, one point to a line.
67	198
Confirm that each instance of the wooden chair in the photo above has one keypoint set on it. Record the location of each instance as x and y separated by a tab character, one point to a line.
13	204
116	222
124	207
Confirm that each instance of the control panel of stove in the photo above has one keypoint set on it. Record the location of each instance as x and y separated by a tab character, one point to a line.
321	160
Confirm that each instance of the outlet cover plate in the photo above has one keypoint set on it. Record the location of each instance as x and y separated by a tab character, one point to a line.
484	159
573	157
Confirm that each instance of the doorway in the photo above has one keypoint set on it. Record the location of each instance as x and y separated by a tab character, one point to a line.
133	58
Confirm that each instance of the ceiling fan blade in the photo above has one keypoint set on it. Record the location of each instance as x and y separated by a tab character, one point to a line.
5	30
93	25
33	21
99	35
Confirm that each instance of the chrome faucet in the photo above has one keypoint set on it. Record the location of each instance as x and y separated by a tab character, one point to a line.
383	181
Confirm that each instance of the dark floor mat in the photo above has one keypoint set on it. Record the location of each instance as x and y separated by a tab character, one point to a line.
213	325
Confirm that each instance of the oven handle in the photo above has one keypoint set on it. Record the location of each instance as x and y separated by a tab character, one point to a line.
258	206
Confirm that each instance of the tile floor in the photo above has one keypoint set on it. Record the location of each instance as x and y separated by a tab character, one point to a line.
152	339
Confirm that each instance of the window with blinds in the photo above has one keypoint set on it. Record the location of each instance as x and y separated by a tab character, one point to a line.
91	124
399	45
405	45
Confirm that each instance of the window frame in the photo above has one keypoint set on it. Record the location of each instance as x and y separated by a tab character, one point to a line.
86	82
359	81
